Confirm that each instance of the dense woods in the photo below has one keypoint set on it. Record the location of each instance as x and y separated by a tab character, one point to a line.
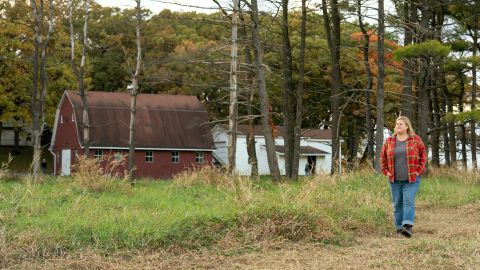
348	66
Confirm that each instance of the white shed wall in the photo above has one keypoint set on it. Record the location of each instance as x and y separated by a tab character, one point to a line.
242	166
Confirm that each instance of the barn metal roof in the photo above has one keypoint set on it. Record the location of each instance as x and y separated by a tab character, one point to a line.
162	121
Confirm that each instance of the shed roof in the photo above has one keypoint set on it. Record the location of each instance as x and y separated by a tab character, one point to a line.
322	134
304	150
162	121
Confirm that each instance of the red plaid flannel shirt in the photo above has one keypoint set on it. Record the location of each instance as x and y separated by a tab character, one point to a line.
416	157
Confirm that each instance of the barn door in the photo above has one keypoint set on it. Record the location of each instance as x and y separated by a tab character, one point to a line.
66	155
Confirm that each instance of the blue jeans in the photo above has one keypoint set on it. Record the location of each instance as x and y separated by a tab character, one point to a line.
403	198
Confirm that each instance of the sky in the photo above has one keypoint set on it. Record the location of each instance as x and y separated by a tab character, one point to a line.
158	5
204	6
208	6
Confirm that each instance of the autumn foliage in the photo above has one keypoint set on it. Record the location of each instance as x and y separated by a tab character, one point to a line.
390	46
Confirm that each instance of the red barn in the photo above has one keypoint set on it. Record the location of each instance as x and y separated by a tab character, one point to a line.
172	133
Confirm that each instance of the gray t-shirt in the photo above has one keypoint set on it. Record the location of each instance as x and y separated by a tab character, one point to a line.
400	159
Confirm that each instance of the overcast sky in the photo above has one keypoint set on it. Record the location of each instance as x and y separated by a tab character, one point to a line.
204	6
208	6
158	5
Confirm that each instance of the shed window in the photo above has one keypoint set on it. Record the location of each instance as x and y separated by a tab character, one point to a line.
149	156
175	157
98	154
73	117
61	119
199	157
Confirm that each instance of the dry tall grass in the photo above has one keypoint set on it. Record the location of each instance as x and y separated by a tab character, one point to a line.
88	173
207	175
4	171
461	175
210	175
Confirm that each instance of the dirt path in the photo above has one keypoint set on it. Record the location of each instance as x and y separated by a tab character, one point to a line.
444	239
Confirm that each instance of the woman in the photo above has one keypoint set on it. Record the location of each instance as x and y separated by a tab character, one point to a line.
403	159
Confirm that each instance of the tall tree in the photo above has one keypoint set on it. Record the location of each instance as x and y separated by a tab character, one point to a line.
289	102
446	140
15	68
473	122
467	16
434	103
380	84
300	91
463	135
80	70
134	91
233	110
250	137
448	97
409	13
262	92
39	87
424	74
331	23
368	90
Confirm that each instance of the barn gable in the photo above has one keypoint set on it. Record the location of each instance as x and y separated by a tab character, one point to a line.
162	121
172	132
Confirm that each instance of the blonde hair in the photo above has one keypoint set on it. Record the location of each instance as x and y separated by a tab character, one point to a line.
407	122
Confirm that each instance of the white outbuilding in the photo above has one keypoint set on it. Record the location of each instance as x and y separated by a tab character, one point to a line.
315	150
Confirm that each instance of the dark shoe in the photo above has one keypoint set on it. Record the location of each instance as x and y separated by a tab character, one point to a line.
407	230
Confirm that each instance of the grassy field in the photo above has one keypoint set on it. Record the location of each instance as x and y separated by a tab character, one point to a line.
58	216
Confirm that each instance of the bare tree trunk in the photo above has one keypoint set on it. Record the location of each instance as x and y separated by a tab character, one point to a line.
352	142
473	135
380	84
435	135
447	97
16	141
437	25
423	112
368	90
451	131
424	77
233	110
264	100
414	65
300	90
252	153
39	76
463	136
407	97
332	28
446	141
288	95
79	72
134	93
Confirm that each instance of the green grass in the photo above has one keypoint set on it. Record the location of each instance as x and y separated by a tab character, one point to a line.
57	216
447	192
